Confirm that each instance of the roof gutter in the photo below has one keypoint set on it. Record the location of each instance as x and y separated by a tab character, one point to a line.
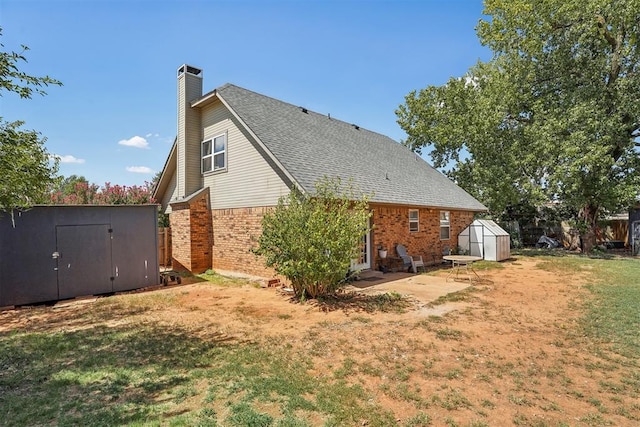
205	99
431	207
186	201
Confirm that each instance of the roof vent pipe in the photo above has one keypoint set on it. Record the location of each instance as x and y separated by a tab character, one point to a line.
304	110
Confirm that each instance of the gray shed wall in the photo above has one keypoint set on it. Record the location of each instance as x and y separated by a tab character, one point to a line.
634	231
58	252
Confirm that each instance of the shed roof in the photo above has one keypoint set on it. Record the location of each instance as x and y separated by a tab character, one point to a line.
490	227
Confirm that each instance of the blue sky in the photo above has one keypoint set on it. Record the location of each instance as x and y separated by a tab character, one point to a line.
115	117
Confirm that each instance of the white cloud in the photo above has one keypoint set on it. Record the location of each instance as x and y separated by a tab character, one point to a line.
68	159
139	169
135	141
149	135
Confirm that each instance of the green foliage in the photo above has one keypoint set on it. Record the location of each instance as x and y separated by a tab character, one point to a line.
68	185
163	218
553	115
311	238
14	80
25	165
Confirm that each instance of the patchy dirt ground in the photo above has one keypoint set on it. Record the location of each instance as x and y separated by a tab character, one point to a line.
505	351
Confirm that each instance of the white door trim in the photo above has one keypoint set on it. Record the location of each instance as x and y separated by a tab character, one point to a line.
364	261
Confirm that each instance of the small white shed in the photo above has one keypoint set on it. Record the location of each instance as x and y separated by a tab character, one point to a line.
486	239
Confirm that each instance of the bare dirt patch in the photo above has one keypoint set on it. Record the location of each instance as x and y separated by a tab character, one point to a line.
505	352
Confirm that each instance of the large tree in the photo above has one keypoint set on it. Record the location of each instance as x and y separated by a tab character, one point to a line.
26	169
553	116
68	185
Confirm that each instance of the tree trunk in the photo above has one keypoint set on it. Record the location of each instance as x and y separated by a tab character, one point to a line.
589	216
574	240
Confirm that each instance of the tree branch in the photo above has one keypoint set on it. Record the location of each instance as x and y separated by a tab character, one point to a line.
602	25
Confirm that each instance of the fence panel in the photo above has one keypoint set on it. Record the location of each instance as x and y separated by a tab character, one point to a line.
164	246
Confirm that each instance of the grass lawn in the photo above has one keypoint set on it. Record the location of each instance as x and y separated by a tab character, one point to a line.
124	361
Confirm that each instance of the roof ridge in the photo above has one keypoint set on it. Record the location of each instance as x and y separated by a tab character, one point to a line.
327	115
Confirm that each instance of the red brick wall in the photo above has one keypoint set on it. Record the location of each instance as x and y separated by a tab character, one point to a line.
222	238
201	235
191	236
235	232
391	227
180	219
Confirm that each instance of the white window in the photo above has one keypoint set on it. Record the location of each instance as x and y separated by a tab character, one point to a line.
445	225
414	220
214	154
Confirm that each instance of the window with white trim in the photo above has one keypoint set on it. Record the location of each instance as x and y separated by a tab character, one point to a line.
414	220
445	225
214	154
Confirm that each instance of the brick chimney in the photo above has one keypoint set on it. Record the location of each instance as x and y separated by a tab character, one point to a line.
189	136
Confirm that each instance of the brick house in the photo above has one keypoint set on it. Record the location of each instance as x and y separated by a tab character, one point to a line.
237	152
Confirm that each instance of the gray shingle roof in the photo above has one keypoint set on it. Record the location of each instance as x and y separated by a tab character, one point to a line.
311	145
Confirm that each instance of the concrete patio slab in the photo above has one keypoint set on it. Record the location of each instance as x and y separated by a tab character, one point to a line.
423	287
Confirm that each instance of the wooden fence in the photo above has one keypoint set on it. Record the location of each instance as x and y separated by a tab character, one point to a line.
164	246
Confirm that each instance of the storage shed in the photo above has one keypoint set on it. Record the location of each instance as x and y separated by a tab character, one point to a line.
486	239
48	253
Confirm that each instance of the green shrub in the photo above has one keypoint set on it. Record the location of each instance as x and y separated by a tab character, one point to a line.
311	238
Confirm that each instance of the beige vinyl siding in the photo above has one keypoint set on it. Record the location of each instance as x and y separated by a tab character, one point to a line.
193	180
249	180
180	163
171	193
189	135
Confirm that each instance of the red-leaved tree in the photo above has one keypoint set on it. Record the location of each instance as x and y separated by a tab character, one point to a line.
85	193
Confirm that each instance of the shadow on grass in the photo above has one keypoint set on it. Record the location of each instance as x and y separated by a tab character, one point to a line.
561	252
146	374
98	375
86	312
356	302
